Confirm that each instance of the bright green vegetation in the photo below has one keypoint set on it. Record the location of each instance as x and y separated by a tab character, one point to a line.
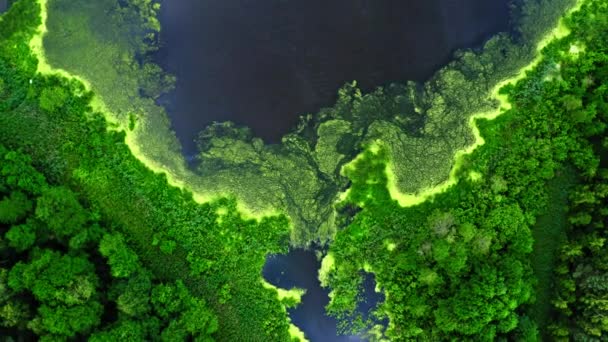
231	158
422	125
107	44
99	42
65	268
462	264
549	233
94	243
582	272
210	249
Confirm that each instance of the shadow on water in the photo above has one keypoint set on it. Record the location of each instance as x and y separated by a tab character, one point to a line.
299	268
263	63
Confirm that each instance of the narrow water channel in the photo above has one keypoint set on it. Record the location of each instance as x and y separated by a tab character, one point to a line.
299	268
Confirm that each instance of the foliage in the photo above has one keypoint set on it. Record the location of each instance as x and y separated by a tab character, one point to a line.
66	290
93	202
581	293
97	245
122	261
458	266
424	125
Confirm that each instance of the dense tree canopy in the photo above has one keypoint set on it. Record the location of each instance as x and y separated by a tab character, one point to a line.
86	199
94	244
63	271
459	266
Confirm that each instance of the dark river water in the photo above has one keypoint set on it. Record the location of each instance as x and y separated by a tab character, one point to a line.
300	269
262	63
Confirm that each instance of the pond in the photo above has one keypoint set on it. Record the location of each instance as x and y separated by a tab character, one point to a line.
264	63
299	268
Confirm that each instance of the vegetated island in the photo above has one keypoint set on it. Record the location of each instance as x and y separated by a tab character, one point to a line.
104	239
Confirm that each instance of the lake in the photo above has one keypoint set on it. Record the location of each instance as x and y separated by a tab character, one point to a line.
264	63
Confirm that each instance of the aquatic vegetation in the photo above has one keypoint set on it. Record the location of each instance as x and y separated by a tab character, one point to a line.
415	123
461	266
52	118
446	191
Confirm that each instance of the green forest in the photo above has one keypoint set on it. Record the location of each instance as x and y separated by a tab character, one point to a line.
478	200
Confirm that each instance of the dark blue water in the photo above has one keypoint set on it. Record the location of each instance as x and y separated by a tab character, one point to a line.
300	269
262	63
3	5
